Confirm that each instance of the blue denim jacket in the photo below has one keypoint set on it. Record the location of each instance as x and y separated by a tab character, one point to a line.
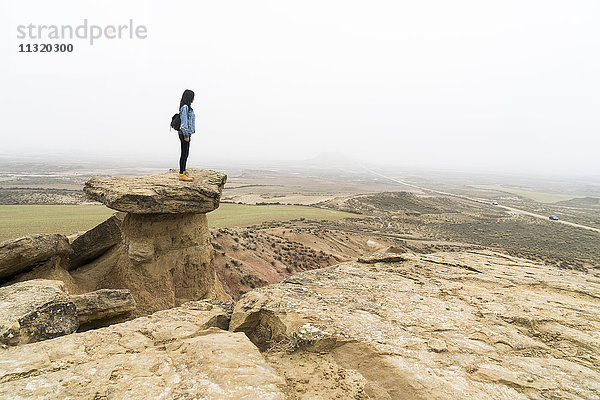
188	121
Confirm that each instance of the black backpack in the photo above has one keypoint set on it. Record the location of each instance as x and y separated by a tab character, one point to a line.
175	122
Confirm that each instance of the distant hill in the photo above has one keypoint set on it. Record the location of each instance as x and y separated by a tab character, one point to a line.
581	202
331	157
331	160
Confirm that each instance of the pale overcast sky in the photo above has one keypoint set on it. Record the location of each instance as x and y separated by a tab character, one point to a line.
503	85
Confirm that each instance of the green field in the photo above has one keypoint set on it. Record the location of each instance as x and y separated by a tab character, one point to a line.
541	197
20	220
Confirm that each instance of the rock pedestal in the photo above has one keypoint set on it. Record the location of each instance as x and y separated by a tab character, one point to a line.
165	257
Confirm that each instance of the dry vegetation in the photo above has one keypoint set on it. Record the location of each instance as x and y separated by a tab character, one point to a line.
448	219
352	213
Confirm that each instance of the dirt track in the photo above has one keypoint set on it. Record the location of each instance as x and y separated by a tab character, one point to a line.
483	201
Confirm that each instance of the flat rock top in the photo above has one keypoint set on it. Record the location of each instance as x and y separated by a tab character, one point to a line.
472	325
159	194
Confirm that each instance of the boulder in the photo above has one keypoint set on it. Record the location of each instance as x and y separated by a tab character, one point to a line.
96	241
159	194
21	254
471	325
35	310
172	354
103	304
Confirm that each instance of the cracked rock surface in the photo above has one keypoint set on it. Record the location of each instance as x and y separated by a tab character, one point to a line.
35	310
179	353
103	304
468	325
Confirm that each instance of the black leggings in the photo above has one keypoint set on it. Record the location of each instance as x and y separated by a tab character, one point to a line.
185	151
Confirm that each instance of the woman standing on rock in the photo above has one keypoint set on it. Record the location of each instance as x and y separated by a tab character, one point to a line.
188	122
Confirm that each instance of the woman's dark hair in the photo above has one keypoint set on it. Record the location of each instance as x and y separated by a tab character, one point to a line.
186	98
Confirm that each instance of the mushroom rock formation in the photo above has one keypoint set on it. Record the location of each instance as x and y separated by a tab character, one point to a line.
165	257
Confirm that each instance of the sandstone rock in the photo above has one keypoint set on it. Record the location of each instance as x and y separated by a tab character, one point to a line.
165	256
471	325
162	193
96	241
383	257
164	260
103	304
54	269
35	310
172	354
17	255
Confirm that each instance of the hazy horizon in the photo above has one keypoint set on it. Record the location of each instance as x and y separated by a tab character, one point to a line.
63	160
509	87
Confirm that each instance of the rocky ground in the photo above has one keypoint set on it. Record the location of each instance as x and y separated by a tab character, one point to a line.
468	325
180	353
459	325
